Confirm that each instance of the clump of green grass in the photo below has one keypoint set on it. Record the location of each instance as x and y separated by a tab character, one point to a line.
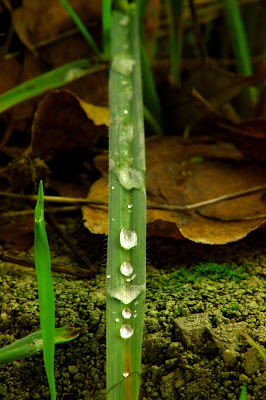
209	270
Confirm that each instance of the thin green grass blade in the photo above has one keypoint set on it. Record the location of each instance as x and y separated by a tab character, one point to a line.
126	255
175	11
106	21
255	345
153	110
150	96
50	80
239	43
81	27
45	291
243	393
33	343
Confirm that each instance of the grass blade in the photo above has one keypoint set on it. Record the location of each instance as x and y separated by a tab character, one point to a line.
106	21
50	80
175	11
243	393
33	343
150	96
45	291
81	27
126	256
239	43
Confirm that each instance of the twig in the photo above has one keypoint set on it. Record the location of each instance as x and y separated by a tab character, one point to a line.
24	213
58	199
195	24
227	219
81	272
85	260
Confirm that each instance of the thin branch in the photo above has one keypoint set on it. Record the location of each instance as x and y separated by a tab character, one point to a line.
82	258
227	219
74	200
76	271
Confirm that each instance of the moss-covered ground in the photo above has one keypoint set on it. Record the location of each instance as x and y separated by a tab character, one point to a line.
199	300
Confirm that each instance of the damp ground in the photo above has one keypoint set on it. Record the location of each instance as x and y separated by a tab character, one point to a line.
200	299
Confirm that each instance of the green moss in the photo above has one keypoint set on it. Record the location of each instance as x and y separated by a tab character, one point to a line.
209	270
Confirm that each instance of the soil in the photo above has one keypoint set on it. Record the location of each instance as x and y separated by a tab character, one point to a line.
199	300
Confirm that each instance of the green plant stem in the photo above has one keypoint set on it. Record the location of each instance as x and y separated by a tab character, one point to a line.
45	291
106	21
127	213
150	96
50	80
175	11
81	27
33	343
239	42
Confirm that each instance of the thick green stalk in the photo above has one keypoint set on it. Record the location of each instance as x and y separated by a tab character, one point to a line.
45	291
126	256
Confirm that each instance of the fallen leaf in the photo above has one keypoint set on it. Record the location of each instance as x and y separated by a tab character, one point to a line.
216	88
248	136
37	20
64	122
18	235
178	174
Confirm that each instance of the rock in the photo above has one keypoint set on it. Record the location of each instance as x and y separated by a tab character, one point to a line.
227	336
230	357
251	361
72	369
193	329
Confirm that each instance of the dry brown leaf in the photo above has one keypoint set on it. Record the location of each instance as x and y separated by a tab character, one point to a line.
37	20
215	86
249	136
177	176
63	122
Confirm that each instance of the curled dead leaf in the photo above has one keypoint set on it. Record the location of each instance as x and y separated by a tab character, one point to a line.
63	122
181	177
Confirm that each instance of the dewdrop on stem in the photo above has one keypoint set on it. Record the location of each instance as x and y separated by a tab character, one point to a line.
128	238
126	331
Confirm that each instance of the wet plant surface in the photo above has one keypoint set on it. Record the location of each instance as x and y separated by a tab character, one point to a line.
199	300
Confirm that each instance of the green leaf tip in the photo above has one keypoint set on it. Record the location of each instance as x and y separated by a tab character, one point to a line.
39	213
33	343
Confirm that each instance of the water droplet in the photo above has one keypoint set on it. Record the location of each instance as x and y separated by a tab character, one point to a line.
130	178
125	374
117	320
135	314
126	331
126	268
126	293
128	238
108	276
112	187
112	219
127	90
136	302
126	312
124	21
123	64
131	278
125	112
129	206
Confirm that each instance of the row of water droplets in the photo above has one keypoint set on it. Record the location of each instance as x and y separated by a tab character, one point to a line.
128	240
